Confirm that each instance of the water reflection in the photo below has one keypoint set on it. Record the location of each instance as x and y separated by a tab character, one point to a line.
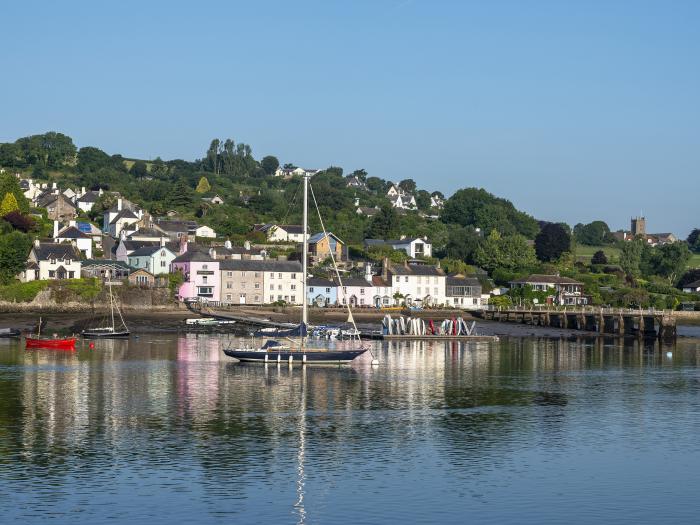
163	426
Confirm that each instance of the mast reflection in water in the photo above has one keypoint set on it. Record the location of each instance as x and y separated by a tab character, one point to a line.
162	429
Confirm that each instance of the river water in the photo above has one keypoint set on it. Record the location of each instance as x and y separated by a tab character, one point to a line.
166	429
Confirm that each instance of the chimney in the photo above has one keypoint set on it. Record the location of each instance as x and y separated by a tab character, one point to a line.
71	223
100	192
37	243
227	244
55	229
385	268
162	242
54	186
368	272
183	244
119	204
212	253
82	191
357	201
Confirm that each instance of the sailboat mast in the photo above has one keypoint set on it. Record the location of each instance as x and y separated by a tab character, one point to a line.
305	252
111	299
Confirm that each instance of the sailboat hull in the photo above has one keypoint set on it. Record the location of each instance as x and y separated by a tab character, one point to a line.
322	357
105	334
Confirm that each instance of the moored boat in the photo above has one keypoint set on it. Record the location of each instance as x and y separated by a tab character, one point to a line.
111	331
57	343
9	332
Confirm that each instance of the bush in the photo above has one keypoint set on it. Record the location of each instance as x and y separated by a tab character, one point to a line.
21	292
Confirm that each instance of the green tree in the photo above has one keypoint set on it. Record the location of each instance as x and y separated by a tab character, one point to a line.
270	164
599	257
92	159
671	260
14	248
592	234
384	224
8	204
375	184
631	256
181	195
552	241
694	240
203	186
139	169
423	200
510	252
462	243
10	184
408	185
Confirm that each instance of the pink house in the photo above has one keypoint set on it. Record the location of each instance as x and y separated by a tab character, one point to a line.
201	274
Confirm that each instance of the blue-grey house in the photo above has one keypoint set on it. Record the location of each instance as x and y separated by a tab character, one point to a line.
154	259
321	292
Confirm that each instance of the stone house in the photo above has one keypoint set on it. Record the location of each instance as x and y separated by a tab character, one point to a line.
321	245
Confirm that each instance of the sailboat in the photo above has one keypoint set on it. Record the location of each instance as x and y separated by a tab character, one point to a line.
112	331
295	351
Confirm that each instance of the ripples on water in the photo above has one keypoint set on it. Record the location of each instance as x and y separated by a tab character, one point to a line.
166	430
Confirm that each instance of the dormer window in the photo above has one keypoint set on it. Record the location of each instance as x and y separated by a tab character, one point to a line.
52	261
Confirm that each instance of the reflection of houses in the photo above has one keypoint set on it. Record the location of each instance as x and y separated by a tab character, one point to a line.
201	275
463	292
321	245
566	291
414	247
321	292
49	260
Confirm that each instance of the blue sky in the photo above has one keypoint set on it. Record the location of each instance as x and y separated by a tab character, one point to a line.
573	110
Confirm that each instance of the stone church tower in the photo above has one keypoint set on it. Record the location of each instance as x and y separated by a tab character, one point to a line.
639	226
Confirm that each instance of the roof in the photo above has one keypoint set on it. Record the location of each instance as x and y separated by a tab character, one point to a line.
461	280
236	250
89	196
177	226
289	228
378	280
260	266
194	256
113	263
545	279
135	245
356	281
320	282
52	250
392	242
146	251
146	232
123	214
367	211
72	233
316	237
415	269
694	284
31	265
47	199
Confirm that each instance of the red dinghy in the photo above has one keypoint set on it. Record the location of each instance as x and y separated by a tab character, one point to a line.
55	344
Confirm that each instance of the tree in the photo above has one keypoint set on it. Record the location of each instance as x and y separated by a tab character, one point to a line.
423	200
92	159
694	240
8	204
384	224
592	234
631	256
478	208
511	252
139	169
203	186
270	164
18	221
181	195
14	248
599	257
10	184
551	242
361	174
212	159
375	184
462	243
408	185
671	259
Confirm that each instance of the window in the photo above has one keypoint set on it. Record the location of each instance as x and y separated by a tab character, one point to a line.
228	296
362	291
71	275
419	290
162	264
279	297
294	287
294	276
311	289
398	279
257	286
279	275
53	261
279	286
362	300
272	298
257	274
204	279
294	298
204	267
242	285
272	275
242	274
229	286
229	274
272	287
328	290
257	298
52	273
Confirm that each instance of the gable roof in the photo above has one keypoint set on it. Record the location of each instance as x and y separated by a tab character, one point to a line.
89	196
72	233
260	266
146	251
289	228
52	250
123	214
355	281
194	256
415	269
694	284
316	237
461	280
539	278
320	281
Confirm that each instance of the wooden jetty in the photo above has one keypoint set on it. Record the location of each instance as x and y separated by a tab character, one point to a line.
605	321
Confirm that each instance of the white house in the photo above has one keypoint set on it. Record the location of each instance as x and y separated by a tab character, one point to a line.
693	287
290	172
71	234
404	202
48	260
564	290
415	284
463	292
87	199
436	201
120	217
282	281
414	247
204	231
282	232
355	291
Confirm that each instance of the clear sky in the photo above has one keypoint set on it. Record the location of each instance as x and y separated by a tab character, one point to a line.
573	110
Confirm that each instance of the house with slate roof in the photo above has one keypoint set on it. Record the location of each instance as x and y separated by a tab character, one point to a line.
58	206
49	260
261	282
565	291
71	234
321	245
201	275
414	247
87	200
321	292
415	284
463	292
281	232
154	259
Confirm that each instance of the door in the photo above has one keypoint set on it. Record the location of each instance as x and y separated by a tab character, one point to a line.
241	299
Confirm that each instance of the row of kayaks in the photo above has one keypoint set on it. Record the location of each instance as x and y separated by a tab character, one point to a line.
417	326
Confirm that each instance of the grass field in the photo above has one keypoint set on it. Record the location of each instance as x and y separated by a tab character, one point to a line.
694	261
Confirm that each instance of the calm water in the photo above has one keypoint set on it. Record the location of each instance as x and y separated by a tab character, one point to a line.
166	429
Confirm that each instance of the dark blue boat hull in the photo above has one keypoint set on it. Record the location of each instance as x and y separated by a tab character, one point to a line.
328	357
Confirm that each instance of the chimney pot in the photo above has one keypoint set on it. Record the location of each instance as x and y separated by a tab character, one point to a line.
119	204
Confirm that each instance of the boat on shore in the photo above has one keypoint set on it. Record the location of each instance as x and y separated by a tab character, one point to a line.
207	321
